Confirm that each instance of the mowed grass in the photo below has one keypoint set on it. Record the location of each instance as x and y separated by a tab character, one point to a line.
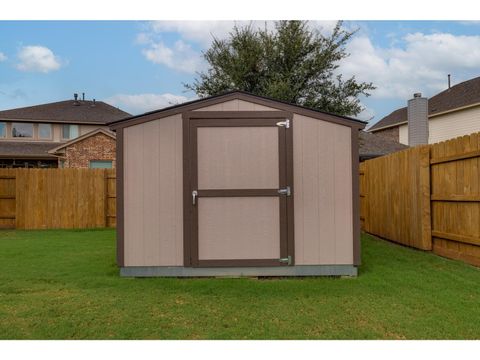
65	285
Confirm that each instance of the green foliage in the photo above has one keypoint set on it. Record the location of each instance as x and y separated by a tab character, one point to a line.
58	284
292	63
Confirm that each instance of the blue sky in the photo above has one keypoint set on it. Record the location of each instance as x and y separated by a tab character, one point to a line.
140	66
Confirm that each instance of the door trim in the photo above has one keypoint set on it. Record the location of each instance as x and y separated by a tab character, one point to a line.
195	119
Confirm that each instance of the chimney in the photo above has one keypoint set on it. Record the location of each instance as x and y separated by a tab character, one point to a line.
83	96
417	115
449	81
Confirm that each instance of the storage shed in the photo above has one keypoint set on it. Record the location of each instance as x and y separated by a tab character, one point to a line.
237	185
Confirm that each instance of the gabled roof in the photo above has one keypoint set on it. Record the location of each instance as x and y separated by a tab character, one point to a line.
464	94
69	111
26	150
233	95
81	138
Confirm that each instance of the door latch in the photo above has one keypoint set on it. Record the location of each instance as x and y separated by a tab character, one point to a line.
285	191
285	123
287	260
194	196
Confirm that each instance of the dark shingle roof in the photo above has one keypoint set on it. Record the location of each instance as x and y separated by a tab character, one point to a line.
394	118
24	149
68	111
371	145
463	94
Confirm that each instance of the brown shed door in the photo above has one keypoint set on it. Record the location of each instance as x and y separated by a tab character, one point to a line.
239	192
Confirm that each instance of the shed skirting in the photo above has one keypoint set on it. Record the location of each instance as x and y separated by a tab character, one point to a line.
180	271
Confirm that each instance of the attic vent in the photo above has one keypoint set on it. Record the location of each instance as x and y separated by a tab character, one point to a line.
75	101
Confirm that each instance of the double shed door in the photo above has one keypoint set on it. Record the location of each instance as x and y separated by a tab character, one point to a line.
241	187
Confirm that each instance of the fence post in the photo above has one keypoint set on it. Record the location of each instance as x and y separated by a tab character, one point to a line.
425	193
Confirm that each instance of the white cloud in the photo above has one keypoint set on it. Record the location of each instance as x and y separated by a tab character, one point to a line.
180	56
37	59
366	114
140	103
421	64
3	57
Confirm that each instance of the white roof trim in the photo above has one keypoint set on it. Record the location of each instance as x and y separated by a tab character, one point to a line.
387	127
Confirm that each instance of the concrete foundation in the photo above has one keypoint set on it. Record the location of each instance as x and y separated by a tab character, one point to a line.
180	271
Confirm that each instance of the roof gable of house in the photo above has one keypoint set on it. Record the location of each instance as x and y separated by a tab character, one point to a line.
236	95
69	111
81	138
458	96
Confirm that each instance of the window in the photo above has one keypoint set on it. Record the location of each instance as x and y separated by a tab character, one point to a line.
2	129
44	131
23	130
70	131
100	164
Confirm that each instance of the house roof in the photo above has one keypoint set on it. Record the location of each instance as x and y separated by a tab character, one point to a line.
464	94
232	95
26	149
69	111
371	145
83	137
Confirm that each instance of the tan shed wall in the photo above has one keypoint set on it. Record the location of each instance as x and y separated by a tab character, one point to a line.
236	105
153	193
323	192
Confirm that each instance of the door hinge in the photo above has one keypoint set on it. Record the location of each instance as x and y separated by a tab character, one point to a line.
285	123
285	191
287	260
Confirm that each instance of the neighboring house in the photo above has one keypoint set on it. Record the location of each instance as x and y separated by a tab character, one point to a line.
28	134
451	113
95	149
372	145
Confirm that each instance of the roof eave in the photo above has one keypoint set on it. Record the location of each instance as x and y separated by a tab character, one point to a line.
235	95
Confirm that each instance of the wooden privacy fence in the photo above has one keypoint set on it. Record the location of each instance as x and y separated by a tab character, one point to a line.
57	198
427	197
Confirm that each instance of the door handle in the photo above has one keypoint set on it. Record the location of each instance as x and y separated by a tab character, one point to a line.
194	197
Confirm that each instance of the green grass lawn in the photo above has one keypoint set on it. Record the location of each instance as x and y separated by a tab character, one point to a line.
65	285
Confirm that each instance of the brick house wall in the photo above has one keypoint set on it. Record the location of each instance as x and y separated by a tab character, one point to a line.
96	147
392	133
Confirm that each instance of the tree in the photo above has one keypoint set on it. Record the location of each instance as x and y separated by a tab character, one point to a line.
293	63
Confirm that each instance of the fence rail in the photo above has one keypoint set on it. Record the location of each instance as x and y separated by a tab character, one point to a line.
57	198
427	197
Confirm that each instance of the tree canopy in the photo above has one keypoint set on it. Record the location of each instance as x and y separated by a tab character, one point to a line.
293	63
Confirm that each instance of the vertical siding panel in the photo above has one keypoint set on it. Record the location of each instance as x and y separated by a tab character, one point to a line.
151	199
298	178
245	105
134	235
343	196
236	105
166	186
178	146
310	200
325	185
